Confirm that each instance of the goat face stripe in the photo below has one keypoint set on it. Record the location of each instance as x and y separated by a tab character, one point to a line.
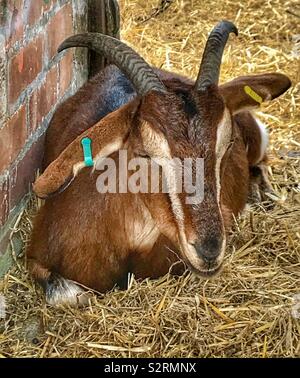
158	146
224	132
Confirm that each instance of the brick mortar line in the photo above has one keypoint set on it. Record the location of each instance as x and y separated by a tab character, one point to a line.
39	131
32	32
55	60
35	136
35	84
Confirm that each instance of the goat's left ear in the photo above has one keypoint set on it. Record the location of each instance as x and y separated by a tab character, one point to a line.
249	91
107	136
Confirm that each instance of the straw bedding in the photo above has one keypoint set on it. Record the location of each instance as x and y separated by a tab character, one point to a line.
250	310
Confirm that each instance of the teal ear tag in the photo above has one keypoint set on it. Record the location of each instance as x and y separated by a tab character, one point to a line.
87	152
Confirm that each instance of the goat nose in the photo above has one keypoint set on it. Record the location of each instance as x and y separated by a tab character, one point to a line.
209	249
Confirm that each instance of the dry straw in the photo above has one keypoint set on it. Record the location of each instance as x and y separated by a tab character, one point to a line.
251	308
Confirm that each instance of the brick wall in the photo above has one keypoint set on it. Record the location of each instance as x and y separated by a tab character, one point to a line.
33	80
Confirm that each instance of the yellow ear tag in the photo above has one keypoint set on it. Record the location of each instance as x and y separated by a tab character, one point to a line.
250	92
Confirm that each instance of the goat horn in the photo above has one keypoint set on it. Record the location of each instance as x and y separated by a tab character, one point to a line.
209	71
128	61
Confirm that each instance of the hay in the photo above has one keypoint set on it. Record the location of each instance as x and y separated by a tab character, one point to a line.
250	310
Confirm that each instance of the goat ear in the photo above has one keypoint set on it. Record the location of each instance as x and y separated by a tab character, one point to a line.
249	91
107	136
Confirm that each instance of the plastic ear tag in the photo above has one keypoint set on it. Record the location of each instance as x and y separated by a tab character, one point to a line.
87	152
250	92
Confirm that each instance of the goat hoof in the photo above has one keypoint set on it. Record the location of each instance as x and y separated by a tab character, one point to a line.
61	291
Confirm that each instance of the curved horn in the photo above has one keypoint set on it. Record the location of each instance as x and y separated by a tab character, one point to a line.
129	62
209	71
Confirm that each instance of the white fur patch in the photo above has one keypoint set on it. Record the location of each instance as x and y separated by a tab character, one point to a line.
223	138
105	151
190	253
264	138
65	292
224	132
142	231
108	150
77	168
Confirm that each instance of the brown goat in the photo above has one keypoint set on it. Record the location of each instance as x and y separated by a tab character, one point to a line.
97	239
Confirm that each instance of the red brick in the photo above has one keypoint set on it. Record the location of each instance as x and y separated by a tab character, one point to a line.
15	25
43	99
65	72
4	201
59	28
12	138
24	67
34	9
24	174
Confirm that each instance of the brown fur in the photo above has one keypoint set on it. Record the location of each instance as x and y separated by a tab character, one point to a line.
87	237
251	135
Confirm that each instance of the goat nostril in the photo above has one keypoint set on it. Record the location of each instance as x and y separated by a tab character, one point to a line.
208	257
209	251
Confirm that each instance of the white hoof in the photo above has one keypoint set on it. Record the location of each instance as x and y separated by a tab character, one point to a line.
61	291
